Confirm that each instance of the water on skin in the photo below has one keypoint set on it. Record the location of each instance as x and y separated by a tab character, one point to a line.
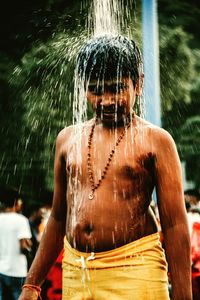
106	17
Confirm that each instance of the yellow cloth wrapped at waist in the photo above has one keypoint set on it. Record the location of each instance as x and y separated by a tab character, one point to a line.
137	271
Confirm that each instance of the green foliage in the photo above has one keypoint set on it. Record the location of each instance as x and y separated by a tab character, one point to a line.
195	93
180	103
189	147
181	13
180	93
176	67
189	140
45	81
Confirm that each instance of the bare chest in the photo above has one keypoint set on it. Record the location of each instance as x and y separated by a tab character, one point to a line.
130	159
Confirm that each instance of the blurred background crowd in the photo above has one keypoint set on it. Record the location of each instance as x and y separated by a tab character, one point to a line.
21	229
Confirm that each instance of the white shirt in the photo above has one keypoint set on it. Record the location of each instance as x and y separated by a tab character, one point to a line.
192	218
13	228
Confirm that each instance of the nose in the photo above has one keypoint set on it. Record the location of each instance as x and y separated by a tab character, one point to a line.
108	100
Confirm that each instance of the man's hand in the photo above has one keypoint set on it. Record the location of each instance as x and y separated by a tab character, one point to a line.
28	294
25	245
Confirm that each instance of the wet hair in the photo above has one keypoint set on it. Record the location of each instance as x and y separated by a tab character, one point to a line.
109	57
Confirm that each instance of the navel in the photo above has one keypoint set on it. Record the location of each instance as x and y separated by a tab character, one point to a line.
88	229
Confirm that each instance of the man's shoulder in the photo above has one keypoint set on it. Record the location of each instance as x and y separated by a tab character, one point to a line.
162	137
64	136
72	130
65	132
155	132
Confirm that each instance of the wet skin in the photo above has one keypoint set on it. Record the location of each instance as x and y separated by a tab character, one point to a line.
119	213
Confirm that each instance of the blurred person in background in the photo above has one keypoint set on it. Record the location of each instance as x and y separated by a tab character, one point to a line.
192	200
192	196
15	240
34	214
52	286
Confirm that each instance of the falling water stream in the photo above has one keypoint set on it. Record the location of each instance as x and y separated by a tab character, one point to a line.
106	18
45	80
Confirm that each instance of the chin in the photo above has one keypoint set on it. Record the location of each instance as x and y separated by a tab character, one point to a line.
111	120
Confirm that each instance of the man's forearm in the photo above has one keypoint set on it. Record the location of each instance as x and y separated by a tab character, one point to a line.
177	245
49	249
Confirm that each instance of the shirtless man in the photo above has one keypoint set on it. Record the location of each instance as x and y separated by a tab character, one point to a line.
101	201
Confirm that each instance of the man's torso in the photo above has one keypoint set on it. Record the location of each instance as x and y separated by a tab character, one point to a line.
119	211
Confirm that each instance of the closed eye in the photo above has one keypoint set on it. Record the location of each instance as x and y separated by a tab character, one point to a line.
96	90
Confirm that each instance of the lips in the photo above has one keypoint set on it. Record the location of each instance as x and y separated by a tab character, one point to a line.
112	111
108	112
103	111
120	110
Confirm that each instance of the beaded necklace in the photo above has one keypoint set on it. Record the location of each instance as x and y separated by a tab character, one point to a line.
95	186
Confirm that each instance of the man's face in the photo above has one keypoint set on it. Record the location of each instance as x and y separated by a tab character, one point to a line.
112	100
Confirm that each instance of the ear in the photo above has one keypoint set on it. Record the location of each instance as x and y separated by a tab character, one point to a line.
139	85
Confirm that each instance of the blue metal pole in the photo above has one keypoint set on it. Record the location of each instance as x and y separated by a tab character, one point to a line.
151	61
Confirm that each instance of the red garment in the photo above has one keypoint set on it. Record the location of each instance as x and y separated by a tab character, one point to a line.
52	288
195	247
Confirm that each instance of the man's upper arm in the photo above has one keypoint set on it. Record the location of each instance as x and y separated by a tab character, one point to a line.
60	180
168	181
